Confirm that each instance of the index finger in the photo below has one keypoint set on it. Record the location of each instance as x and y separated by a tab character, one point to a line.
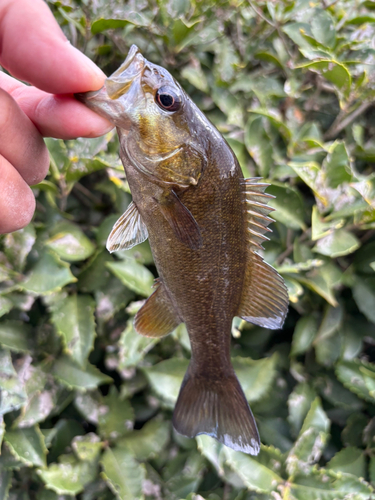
35	50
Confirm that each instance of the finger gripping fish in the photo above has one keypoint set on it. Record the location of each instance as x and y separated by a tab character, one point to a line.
205	224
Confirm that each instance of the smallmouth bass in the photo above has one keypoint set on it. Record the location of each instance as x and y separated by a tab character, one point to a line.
205	224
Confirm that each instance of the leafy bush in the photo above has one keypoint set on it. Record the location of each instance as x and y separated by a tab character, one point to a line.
86	403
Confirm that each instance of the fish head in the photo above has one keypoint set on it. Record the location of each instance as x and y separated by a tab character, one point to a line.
154	116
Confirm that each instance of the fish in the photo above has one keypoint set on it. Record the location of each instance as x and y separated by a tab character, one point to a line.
206	225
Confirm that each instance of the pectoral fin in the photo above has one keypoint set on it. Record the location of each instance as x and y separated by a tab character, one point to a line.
129	230
265	296
180	219
157	317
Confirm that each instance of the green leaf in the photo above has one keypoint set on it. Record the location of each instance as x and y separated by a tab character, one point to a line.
18	246
27	445
193	74
123	474
350	460
334	71
321	228
116	417
12	393
5	305
311	440
74	320
133	347
258	144
323	29
299	404
304	334
289	206
364	295
135	18
69	242
69	373
148	442
165	378
5	483
256	376
255	476
338	243
133	275
15	335
87	447
330	485
49	275
68	477
359	377
337	165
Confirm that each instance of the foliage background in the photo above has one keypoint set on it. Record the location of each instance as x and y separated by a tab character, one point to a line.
86	403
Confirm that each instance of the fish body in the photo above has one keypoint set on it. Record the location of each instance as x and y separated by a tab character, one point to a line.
205	223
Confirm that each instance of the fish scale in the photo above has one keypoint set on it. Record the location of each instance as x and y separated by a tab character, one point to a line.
205	225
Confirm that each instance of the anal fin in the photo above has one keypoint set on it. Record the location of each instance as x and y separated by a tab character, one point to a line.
181	220
157	317
265	296
128	231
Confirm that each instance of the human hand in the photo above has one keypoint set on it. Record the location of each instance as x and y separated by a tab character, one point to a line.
35	50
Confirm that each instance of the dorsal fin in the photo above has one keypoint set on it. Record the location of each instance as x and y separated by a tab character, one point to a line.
265	296
157	317
128	231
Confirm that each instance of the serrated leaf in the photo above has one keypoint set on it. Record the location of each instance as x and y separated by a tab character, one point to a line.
27	446
123	474
69	242
338	243
359	377
255	476
256	376
5	305
165	378
133	275
334	71
68	477
289	206
18	246
311	440
69	373
133	347
330	485
364	295
49	275
299	404
323	29
337	165
5	482
87	447
148	442
12	393
15	335
116	417
350	460
74	320
304	334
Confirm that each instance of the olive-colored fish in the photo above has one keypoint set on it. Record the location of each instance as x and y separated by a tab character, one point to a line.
205	223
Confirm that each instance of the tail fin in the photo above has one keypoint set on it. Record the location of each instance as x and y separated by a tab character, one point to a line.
217	408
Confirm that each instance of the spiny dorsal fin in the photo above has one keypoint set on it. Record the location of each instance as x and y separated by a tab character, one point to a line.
265	296
157	317
128	231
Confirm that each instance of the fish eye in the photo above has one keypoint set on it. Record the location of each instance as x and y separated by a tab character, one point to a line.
167	99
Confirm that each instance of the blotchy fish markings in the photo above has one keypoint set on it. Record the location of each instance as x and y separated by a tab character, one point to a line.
205	224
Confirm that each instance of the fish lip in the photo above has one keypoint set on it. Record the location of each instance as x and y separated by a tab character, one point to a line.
86	96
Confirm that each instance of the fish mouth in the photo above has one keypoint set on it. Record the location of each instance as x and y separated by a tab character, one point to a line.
132	68
118	96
